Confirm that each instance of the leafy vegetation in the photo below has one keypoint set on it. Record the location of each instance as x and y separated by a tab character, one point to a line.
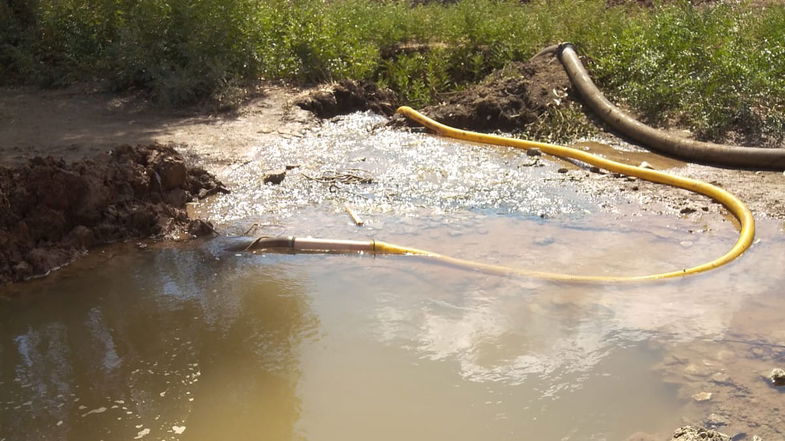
717	69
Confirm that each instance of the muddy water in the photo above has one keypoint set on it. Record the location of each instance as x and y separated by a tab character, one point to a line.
194	342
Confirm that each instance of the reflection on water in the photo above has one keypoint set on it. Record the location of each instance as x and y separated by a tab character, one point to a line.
154	343
197	343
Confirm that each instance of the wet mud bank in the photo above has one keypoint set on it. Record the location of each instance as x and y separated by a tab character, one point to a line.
52	211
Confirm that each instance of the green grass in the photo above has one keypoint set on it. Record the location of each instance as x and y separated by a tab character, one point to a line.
714	70
717	70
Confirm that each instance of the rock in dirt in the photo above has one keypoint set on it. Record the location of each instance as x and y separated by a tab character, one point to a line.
721	378
274	177
51	211
692	433
702	396
687	210
347	96
777	377
508	99
716	420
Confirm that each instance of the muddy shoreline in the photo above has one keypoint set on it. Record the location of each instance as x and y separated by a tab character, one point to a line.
85	126
81	123
127	201
89	125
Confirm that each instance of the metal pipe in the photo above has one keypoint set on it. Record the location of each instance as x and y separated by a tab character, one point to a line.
291	243
336	245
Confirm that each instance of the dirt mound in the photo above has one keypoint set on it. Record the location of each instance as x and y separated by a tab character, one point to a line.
51	211
691	433
347	96
508	99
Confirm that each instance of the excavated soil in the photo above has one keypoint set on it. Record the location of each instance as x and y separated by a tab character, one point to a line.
508	99
347	96
51	211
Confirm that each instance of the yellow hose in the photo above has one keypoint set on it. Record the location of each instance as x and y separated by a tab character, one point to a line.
733	204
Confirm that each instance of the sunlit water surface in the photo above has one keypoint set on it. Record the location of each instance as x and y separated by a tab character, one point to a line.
195	342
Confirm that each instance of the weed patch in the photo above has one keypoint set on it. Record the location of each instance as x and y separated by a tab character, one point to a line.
717	69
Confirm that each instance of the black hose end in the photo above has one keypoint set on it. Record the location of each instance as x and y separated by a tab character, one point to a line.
563	46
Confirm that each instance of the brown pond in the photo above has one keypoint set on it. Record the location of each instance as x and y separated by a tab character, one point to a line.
193	342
